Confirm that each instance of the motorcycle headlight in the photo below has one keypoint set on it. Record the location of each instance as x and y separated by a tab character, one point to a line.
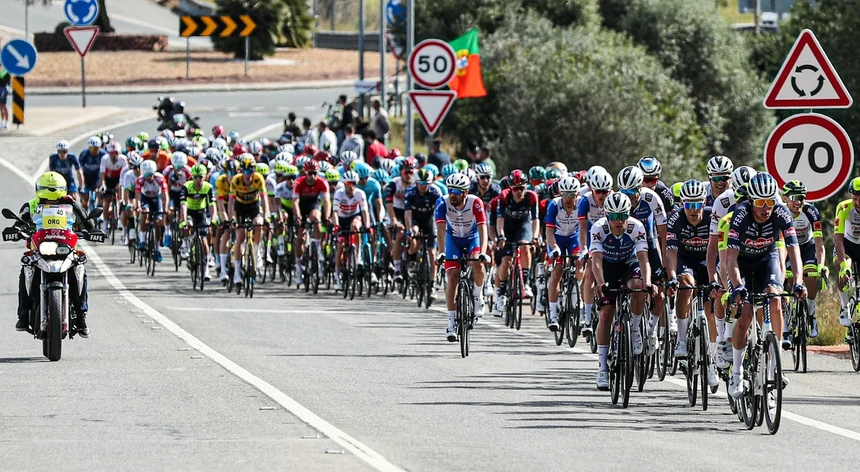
64	250
48	248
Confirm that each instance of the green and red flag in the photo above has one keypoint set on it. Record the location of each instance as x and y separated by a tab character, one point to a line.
468	81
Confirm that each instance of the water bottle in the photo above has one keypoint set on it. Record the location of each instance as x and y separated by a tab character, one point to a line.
281	246
132	234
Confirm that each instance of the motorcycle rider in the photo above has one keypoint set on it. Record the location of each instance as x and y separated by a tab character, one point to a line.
51	189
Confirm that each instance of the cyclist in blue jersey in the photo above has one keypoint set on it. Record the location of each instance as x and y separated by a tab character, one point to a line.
589	211
562	239
91	163
66	165
653	170
420	207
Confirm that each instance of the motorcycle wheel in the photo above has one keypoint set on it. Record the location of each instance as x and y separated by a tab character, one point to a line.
55	325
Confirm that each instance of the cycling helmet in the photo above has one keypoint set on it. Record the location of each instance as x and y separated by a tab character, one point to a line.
291	170
332	175
793	188
553	174
537	173
134	160
720	165
262	168
854	186
650	166
560	167
448	170
741	176
553	188
590	173
459	181
247	162
601	180
239	149
461	164
280	167
568	184
131	142
301	161
167	134
517	178
143	136
630	178
288	148
179	160
363	170
213	154
408	163
676	189
617	203
324	166
421	158
387	165
284	157
148	168
311	166
220	144
310	149
483	169
106	138
113	146
322	156
230	166
94	142
63	146
693	190
199	170
423	176
762	186
394	153
286	138
51	186
255	148
348	157
350	176
218	131
432	169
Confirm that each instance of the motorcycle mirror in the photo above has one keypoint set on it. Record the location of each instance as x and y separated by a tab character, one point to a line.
196	118
97	212
10	214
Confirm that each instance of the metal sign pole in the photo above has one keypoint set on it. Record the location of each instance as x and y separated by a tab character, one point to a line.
361	50
247	53
410	42
26	19
382	76
187	58
83	85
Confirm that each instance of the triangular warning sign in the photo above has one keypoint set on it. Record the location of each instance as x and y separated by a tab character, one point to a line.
432	106
82	38
807	79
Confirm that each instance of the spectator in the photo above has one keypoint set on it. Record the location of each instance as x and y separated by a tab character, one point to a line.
381	123
437	156
348	116
472	151
351	142
327	139
291	126
310	135
5	80
375	149
484	158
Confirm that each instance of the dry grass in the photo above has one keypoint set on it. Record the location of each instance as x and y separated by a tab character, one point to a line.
830	332
106	68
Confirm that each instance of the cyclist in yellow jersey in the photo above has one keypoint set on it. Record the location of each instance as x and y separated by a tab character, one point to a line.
198	203
247	190
229	168
846	242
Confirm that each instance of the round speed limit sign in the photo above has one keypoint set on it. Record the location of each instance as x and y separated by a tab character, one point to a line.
811	148
432	63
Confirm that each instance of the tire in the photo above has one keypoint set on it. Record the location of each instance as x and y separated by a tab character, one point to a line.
132	252
368	268
353	272
772	388
463	318
201	263
518	304
55	324
749	401
640	363
690	371
854	347
315	274
592	340
574	312
704	357
192	264
627	364
615	380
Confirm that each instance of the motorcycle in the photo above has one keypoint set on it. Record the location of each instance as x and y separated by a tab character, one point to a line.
48	263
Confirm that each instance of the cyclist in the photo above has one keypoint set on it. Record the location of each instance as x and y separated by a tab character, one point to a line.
420	204
752	258
66	165
247	190
197	202
562	239
589	210
652	171
719	174
311	203
810	241
395	202
846	242
176	175
150	200
537	176
91	162
619	252
686	250
461	224
229	169
127	182
517	219
350	212
112	167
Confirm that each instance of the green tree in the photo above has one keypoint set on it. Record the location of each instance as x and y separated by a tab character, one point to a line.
298	24
269	15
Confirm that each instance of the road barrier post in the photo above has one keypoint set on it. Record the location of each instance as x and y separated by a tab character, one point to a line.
18	101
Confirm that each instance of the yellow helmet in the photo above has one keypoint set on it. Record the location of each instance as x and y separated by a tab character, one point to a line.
247	162
51	186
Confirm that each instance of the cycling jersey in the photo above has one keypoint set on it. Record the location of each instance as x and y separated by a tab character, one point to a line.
723	231
493	191
442	187
562	222
247	193
621	248
197	199
690	241
754	239
723	205
271	183
285	194
306	192
64	167
113	170
649	210
847	221
128	180
514	211
222	187
423	206
395	192
91	166
461	223
151	188
161	158
807	224
665	194
372	189
348	207
588	209
176	179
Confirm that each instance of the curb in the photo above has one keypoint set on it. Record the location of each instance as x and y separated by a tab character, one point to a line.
176	88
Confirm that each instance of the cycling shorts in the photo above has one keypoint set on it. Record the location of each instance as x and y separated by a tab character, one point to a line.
569	246
152	205
454	250
110	186
695	267
761	272
246	211
616	275
346	224
427	228
174	197
91	183
306	207
516	231
399	216
200	219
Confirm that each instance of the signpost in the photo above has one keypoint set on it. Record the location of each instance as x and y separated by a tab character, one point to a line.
82	39
223	26
81	12
18	56
432	106
432	65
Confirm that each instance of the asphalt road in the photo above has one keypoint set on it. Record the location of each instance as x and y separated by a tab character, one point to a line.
373	378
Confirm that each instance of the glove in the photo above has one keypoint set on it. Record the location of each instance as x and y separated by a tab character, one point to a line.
102	189
714	286
672	283
232	221
554	252
408	233
740	291
799	289
824	271
183	224
483	258
336	228
440	258
584	256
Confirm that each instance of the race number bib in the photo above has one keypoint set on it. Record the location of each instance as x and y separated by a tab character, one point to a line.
55	217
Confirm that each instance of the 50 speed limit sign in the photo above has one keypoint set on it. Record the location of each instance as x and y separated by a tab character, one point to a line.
811	148
432	63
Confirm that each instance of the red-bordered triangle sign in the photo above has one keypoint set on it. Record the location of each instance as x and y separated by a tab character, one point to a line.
81	37
807	79
432	106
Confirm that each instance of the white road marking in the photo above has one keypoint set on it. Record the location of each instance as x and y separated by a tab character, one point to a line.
242	310
244	114
261	132
135	21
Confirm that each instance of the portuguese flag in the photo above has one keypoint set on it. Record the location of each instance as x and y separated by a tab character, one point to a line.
468	81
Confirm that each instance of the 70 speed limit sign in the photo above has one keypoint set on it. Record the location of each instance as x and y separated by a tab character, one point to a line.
432	63
811	148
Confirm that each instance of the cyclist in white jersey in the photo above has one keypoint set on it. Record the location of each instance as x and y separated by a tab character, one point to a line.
350	213
589	211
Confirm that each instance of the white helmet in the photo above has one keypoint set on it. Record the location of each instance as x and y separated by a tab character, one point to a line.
763	185
349	176
601	180
113	146
458	181
741	176
630	178
179	160
134	160
650	166
720	165
617	203
63	146
220	144
94	142
387	165
693	190
284	157
347	157
148	168
568	184
590	173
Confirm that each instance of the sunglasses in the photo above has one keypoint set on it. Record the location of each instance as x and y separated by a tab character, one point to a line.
455	191
650	180
568	194
617	216
290	177
629	191
601	192
518	189
408	171
484	177
311	172
797	198
423	182
720	178
763	202
248	172
198	177
694	205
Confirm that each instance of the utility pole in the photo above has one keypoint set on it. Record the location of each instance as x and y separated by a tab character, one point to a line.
757	15
410	42
361	51
382	75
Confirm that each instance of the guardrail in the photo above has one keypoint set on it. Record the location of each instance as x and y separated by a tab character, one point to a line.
345	41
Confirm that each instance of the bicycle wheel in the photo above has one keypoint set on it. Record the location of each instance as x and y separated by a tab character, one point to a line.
592	339
796	327
663	347
315	274
427	280
641	361
748	402
201	260
353	272
704	362
517	300
367	254
192	266
306	264
772	388
463	317
615	380
690	364
854	346
626	362
573	307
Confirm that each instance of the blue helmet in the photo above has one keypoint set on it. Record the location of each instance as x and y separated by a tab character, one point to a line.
449	169
380	175
363	170
432	169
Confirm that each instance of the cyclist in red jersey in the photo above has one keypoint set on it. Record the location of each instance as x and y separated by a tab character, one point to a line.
311	202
